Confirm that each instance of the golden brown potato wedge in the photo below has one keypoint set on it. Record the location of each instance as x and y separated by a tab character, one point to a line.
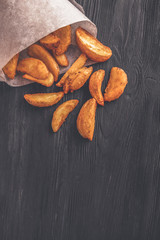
43	99
62	59
33	67
116	84
69	80
10	68
86	119
66	85
79	63
76	80
89	45
41	53
50	41
48	82
62	112
81	79
95	84
64	34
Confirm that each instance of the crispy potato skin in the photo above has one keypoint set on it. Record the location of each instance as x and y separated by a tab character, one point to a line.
48	82
95	84
43	99
79	63
62	112
66	86
116	84
41	53
34	67
62	59
50	41
10	68
64	34
86	119
76	80
89	45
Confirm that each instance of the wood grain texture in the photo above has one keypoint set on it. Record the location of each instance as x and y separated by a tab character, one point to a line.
61	187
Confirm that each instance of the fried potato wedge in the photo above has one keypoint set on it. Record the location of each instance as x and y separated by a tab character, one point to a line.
43	99
89	45
62	112
76	80
116	84
62	59
95	84
48	82
64	34
10	68
86	119
66	86
34	67
41	53
78	76
50	41
81	78
79	63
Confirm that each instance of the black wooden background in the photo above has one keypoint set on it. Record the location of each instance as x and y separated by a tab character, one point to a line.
62	187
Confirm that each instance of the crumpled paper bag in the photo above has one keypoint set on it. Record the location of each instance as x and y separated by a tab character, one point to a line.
25	22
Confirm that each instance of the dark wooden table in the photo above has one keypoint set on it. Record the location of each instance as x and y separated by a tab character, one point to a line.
62	187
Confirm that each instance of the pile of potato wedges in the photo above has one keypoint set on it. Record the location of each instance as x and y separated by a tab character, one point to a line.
42	67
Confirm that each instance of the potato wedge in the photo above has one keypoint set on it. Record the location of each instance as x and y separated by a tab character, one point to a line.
62	59
89	45
116	84
79	63
77	75
66	86
34	67
41	53
48	82
10	68
50	41
76	80
65	39
43	99
62	112
86	119
81	79
95	84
